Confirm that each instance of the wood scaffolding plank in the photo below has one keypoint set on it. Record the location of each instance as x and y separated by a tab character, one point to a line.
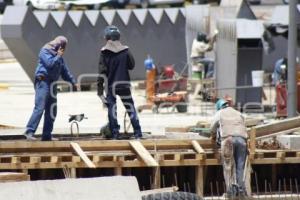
160	190
82	155
198	149
252	143
22	146
277	126
143	154
13	177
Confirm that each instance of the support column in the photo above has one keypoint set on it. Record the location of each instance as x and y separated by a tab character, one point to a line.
73	173
292	51
199	180
156	178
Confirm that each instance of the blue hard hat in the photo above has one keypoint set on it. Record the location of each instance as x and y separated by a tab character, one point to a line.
149	63
112	33
221	103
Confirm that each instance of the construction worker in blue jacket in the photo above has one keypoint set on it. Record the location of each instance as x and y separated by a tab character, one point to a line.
51	66
115	62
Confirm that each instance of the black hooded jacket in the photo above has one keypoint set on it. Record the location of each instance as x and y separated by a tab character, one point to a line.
115	62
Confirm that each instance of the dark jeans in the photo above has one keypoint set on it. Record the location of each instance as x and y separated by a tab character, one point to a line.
240	154
45	102
234	153
126	98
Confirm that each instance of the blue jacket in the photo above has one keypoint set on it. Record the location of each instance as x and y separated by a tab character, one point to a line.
52	66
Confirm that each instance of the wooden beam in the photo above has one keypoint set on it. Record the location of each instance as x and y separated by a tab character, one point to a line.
277	126
156	178
82	155
22	146
278	133
143	154
198	147
160	190
199	180
252	143
13	177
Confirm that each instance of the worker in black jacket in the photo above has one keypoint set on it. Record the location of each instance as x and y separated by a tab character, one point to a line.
114	65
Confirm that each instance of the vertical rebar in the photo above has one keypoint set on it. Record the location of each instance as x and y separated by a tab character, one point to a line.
150	181
217	186
284	187
176	181
297	191
266	189
271	193
211	190
291	186
184	187
163	181
188	187
279	188
256	182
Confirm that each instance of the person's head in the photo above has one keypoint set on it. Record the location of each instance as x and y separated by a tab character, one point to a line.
201	37
112	33
221	103
60	42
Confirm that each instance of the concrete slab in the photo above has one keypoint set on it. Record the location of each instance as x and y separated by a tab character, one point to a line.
17	104
108	188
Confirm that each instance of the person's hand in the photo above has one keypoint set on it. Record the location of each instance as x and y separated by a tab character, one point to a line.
60	51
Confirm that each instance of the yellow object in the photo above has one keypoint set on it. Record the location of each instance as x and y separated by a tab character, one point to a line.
4	86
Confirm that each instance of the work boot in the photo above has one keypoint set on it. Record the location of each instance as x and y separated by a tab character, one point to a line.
29	136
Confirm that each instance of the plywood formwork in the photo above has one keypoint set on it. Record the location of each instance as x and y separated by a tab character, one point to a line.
151	153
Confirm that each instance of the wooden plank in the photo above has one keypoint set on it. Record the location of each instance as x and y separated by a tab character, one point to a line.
76	159
278	126
280	155
252	143
54	159
199	180
143	154
156	178
198	147
160	190
13	177
22	146
82	155
118	170
35	159
177	129
278	133
15	160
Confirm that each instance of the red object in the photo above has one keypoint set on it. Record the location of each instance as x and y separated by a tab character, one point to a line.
281	100
168	71
171	85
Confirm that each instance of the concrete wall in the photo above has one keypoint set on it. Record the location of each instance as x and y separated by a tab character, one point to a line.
158	32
